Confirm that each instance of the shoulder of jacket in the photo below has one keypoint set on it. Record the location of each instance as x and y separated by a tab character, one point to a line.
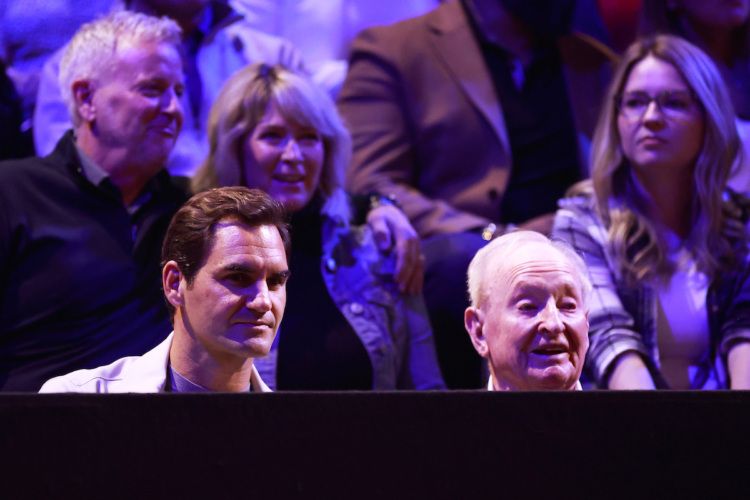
89	380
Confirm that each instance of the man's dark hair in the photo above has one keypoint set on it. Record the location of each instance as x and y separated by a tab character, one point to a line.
191	232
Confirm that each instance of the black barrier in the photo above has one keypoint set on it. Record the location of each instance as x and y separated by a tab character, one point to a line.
376	445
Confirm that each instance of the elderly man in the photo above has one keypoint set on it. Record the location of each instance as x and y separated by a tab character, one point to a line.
80	229
528	315
224	278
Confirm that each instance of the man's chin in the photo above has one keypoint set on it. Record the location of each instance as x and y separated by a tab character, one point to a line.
553	378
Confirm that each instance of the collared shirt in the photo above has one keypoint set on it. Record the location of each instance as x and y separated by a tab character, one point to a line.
99	177
178	383
78	290
90	169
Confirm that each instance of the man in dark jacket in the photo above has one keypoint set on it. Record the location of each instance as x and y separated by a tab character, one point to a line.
80	229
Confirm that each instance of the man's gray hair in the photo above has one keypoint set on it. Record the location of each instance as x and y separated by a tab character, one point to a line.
509	242
92	49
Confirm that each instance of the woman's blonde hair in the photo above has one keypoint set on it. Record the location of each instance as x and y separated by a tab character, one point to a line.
243	102
632	235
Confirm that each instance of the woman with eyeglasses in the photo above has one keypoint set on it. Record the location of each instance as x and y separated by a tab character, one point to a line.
658	229
347	325
722	29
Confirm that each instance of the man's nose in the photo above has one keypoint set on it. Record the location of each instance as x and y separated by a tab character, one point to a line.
551	320
171	102
258	298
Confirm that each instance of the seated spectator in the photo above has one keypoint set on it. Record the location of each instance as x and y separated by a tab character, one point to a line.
216	43
80	229
224	277
347	324
528	315
722	30
474	116
323	29
668	262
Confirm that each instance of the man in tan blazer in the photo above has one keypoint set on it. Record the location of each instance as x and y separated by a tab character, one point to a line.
475	117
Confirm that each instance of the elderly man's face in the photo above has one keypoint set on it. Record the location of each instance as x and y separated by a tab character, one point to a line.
235	303
135	104
532	325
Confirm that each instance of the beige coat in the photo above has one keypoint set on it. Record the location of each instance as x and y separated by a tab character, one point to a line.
426	122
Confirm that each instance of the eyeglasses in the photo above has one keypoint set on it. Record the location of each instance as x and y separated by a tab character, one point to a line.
672	103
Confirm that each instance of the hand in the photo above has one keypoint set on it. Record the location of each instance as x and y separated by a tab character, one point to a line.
540	224
393	232
736	208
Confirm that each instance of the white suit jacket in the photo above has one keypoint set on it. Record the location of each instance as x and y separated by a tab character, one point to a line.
147	373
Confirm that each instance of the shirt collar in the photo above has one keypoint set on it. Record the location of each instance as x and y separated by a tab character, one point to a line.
178	383
90	169
97	176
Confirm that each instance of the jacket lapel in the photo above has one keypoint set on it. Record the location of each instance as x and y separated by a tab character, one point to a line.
455	45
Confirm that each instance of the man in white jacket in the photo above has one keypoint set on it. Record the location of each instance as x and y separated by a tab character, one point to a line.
224	277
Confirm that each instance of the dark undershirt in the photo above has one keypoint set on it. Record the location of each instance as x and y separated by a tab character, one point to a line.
541	131
318	350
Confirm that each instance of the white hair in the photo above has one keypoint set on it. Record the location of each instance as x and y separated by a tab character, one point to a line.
509	242
92	49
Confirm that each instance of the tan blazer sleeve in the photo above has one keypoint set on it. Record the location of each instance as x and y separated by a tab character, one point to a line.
388	133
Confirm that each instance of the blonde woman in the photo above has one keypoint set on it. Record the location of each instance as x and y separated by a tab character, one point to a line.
347	324
671	300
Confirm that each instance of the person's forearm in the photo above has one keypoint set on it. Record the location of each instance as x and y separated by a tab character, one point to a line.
630	372
738	362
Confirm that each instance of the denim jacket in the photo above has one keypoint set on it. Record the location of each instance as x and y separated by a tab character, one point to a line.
393	327
623	316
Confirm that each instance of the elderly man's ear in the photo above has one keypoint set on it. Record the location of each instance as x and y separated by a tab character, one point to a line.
83	93
474	322
172	282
